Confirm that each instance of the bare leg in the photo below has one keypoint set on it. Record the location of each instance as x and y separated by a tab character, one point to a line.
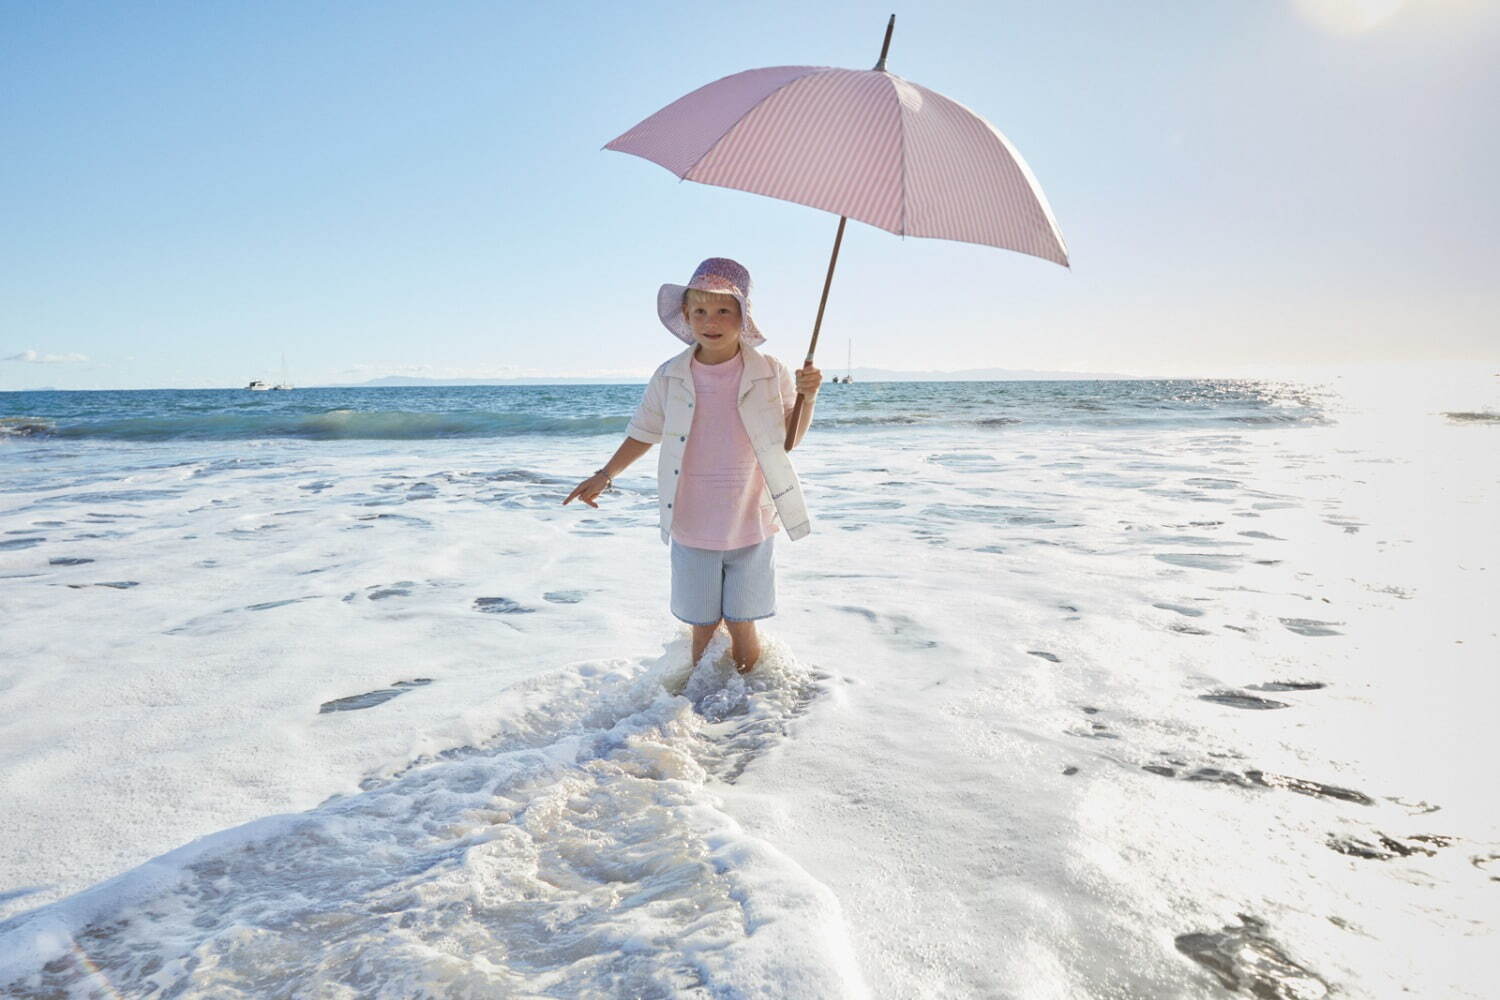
701	635
744	645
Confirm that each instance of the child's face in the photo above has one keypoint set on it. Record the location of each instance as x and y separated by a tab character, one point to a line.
714	319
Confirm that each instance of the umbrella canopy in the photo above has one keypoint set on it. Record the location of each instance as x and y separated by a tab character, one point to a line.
865	144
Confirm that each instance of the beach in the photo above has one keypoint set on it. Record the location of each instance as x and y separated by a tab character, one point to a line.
1076	689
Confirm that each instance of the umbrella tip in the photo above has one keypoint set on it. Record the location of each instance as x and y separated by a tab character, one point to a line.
886	45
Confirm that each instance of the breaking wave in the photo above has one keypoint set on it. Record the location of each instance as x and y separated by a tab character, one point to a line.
24	427
330	425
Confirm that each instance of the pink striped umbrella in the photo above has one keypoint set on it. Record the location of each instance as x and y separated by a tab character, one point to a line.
864	144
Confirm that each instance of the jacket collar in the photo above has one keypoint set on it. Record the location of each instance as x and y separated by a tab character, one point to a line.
756	367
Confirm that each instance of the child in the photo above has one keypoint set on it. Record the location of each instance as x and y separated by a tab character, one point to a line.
721	411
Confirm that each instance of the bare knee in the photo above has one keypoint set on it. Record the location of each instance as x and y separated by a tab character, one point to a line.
740	630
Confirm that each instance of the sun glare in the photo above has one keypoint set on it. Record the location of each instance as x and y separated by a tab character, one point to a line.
1348	16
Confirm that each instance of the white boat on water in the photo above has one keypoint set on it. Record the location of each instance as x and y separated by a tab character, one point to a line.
258	386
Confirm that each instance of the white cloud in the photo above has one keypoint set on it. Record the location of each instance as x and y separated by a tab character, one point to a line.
38	357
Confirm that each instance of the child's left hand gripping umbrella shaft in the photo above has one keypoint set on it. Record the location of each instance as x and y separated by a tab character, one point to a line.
588	491
808	380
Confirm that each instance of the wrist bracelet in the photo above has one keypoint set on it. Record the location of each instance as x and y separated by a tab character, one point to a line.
609	481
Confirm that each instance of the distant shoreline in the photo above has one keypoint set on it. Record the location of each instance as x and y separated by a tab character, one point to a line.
1483	370
861	377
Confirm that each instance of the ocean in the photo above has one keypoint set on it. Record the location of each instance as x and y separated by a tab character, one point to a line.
416	414
1108	689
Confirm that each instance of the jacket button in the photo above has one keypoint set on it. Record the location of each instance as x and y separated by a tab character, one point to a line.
682	439
669	506
676	472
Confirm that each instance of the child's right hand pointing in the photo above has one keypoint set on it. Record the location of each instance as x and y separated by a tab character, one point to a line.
589	489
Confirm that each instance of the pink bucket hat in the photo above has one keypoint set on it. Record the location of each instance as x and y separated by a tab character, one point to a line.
717	274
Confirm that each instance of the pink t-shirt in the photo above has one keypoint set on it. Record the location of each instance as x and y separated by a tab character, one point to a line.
719	491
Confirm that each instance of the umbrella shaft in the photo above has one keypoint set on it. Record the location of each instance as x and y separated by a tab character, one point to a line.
827	284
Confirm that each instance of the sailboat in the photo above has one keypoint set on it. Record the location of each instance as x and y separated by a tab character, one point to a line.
849	377
283	384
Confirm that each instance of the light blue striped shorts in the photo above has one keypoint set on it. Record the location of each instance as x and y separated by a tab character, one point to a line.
734	584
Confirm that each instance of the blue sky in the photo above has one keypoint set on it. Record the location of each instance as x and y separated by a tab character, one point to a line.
190	190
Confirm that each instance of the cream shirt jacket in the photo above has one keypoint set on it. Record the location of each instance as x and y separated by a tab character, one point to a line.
767	393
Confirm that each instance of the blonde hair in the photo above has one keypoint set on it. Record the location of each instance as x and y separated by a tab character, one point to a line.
691	295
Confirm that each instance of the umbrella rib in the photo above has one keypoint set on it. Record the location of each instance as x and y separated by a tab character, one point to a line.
901	134
734	124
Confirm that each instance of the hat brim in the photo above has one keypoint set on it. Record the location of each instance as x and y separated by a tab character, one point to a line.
669	311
